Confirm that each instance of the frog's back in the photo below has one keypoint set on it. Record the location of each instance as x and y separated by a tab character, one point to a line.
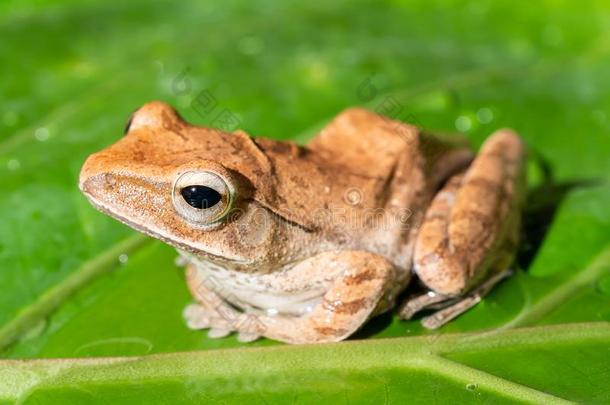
365	176
365	143
370	145
348	167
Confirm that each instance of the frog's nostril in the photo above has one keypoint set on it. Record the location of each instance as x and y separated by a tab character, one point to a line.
200	197
128	124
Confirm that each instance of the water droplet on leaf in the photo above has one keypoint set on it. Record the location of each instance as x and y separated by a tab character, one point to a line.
10	118
551	35
41	134
463	123
251	45
13	165
485	115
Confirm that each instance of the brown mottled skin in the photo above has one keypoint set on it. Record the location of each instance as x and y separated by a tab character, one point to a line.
308	243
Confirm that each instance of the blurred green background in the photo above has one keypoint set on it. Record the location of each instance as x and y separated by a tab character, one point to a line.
74	283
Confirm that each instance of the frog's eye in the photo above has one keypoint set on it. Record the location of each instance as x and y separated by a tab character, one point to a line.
202	197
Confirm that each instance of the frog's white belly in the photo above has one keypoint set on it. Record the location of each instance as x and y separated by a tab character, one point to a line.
275	293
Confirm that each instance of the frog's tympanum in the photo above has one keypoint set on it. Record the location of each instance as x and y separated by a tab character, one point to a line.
304	244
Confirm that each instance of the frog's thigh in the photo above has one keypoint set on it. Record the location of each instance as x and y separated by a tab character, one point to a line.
365	286
472	219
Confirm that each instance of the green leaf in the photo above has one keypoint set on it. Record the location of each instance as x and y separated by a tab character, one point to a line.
419	369
76	284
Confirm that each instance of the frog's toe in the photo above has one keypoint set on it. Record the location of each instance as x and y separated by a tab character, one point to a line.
216	333
246	337
181	261
196	317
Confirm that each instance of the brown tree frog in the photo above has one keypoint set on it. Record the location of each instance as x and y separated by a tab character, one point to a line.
304	244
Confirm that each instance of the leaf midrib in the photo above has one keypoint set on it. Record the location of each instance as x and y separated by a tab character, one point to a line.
29	316
415	353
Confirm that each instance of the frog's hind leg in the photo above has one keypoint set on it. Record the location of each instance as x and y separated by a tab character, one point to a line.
470	231
456	308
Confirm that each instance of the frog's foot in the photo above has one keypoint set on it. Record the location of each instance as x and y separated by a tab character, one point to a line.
448	307
199	317
183	259
247	337
414	304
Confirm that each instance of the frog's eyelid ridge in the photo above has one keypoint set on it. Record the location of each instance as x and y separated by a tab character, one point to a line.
155	114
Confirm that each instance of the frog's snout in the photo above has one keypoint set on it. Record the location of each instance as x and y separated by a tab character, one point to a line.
91	175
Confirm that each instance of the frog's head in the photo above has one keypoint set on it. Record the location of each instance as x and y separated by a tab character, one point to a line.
192	187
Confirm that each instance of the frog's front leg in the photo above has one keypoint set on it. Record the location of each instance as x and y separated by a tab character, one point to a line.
364	287
469	235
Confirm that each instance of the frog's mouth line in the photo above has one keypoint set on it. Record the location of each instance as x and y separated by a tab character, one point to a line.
172	242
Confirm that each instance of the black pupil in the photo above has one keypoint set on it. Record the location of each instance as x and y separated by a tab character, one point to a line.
200	197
